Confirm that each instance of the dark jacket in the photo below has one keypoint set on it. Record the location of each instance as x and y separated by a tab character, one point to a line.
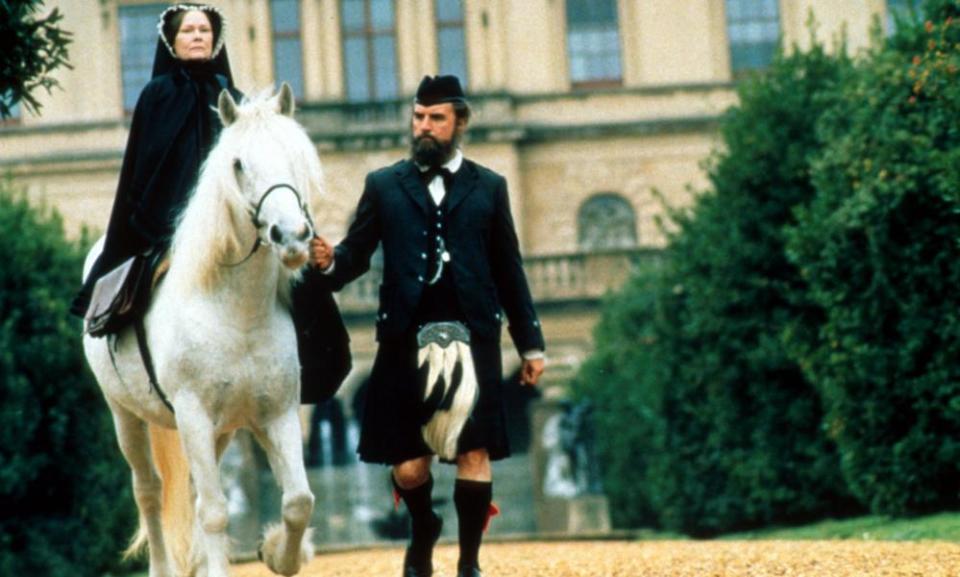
485	258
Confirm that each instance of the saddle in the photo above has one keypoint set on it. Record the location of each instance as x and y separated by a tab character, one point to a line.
121	295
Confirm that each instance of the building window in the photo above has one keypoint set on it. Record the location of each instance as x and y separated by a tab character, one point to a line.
287	48
13	111
138	43
606	221
902	10
593	41
451	39
369	49
753	27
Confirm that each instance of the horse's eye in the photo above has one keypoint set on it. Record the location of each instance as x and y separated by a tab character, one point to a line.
237	166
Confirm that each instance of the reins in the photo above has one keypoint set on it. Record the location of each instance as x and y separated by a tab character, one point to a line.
255	219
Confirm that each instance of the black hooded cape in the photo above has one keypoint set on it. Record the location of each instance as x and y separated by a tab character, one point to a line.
172	130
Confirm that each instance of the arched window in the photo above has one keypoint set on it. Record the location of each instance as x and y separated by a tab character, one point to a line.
606	221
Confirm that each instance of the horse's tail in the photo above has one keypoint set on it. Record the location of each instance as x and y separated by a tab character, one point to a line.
177	511
452	383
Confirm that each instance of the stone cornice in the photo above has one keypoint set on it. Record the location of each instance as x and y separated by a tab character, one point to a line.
62	127
379	139
518	119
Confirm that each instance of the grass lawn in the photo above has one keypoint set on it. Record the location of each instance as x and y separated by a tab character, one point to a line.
942	527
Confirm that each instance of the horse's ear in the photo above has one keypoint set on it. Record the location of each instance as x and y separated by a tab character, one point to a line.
227	108
285	100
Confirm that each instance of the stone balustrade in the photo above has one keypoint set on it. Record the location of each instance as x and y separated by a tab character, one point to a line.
580	276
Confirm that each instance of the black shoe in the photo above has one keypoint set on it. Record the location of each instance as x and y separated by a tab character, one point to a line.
423	568
416	569
469	571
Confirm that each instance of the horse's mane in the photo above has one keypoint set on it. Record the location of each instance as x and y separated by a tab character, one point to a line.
206	237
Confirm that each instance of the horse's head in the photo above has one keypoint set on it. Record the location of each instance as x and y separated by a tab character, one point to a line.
275	167
255	185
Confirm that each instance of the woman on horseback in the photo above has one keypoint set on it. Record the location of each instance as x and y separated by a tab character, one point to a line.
173	128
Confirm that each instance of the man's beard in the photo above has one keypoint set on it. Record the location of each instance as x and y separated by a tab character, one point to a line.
432	153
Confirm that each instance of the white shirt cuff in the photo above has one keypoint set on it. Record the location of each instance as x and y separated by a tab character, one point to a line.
329	269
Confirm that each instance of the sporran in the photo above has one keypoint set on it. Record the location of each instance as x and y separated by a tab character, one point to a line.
450	386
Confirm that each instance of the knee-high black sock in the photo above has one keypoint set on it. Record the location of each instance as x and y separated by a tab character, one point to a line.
472	499
423	520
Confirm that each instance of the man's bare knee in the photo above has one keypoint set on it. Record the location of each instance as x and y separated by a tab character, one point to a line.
474	465
412	473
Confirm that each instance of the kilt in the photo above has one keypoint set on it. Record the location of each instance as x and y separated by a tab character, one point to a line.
390	429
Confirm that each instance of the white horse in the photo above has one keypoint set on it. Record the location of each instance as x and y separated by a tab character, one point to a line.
223	346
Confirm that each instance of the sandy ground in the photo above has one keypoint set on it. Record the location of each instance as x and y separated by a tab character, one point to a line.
659	559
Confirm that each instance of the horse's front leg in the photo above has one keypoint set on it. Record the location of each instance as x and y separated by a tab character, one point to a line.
199	444
286	547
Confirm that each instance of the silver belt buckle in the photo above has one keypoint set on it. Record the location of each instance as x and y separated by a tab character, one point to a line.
443	333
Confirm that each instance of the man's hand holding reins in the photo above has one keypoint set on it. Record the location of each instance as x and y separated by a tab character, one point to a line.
321	253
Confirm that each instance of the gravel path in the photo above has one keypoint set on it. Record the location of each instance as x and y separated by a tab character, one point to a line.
659	559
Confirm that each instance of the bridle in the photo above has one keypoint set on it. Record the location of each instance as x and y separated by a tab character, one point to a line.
254	211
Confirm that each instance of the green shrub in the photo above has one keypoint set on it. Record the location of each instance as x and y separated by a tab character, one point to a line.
618	381
879	249
64	489
733	438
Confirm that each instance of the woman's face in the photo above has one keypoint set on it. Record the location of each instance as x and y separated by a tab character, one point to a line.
195	37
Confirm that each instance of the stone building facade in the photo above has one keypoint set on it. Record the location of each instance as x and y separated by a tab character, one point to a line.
587	106
598	112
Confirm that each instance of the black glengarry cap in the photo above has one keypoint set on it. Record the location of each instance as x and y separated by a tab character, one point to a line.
439	89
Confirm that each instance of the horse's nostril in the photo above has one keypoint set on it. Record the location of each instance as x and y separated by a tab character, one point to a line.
275	234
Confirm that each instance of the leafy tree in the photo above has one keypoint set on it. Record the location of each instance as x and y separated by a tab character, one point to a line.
731	428
880	249
64	489
31	48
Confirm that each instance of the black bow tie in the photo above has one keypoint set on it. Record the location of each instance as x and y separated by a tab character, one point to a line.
428	175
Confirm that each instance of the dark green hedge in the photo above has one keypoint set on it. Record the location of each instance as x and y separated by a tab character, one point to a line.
880	248
798	348
726	428
67	508
619	380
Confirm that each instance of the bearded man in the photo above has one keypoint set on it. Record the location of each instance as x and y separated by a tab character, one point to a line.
451	267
